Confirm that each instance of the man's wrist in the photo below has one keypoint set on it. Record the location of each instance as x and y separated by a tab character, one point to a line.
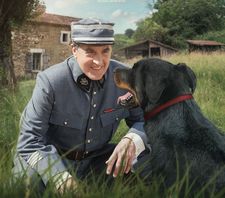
138	142
125	137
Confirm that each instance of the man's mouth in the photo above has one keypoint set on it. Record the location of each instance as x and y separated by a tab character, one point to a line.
96	67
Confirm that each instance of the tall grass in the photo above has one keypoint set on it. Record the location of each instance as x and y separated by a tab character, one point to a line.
11	106
210	93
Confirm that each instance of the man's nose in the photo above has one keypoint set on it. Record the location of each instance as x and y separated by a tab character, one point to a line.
98	60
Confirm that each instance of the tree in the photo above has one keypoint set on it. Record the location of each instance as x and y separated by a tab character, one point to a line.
148	29
129	32
188	18
12	13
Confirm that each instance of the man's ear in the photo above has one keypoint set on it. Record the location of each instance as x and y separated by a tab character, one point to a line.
74	51
188	74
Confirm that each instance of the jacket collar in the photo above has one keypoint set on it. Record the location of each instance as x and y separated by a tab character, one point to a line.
80	78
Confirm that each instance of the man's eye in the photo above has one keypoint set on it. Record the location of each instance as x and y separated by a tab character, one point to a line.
89	52
106	51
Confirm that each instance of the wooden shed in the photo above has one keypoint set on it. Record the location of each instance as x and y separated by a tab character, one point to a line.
204	45
149	48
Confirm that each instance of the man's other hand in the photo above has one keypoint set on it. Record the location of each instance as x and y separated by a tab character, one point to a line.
121	158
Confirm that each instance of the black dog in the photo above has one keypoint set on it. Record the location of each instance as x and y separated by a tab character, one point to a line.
183	141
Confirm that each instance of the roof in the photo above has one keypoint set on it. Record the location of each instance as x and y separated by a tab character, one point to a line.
204	43
150	41
54	19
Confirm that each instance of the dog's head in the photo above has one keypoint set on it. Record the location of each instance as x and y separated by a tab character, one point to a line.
154	81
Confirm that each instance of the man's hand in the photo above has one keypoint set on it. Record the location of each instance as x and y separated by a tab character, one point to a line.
123	155
69	184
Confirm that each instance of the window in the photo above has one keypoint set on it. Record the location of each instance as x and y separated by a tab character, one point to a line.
35	60
155	51
65	37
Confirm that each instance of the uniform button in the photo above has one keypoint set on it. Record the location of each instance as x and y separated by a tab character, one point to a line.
92	117
88	141
94	92
86	152
90	129
65	122
117	119
94	105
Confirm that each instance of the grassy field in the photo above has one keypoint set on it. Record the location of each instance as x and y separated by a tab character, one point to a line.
210	94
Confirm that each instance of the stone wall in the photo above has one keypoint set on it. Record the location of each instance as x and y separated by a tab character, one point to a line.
38	36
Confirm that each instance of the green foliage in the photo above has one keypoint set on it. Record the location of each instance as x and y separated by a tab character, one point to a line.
175	21
178	20
176	41
129	32
218	36
148	29
188	18
11	14
121	41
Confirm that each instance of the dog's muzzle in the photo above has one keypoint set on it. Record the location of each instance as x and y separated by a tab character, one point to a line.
126	100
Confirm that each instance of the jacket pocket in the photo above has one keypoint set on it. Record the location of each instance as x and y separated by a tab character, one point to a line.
66	120
114	116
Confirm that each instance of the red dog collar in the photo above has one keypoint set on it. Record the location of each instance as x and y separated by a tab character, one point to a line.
169	103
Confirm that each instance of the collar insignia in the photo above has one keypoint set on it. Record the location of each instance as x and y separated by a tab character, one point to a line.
84	81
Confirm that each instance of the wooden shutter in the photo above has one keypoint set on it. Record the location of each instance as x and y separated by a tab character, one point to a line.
29	62
45	61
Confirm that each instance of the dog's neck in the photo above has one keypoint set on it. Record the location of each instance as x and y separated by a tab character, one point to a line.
150	114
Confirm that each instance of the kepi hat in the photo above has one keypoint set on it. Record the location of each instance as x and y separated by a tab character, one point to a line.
92	31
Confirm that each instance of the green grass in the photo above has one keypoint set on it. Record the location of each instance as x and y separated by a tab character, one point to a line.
11	106
210	93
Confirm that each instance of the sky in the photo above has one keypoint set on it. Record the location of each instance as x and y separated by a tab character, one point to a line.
124	13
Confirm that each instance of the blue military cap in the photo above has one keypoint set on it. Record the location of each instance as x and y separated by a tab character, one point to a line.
92	31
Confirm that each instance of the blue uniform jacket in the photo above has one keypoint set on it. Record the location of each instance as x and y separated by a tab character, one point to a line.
61	114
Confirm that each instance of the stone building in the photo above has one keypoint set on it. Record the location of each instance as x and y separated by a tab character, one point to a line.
40	43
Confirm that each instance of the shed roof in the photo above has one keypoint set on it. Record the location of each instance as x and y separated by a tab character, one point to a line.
204	43
150	41
54	19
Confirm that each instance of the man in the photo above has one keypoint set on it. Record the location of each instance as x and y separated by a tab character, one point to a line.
73	113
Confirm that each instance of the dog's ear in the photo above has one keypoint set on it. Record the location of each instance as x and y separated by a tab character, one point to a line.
154	87
188	74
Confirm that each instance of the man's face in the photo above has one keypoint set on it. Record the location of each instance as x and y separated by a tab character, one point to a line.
93	59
